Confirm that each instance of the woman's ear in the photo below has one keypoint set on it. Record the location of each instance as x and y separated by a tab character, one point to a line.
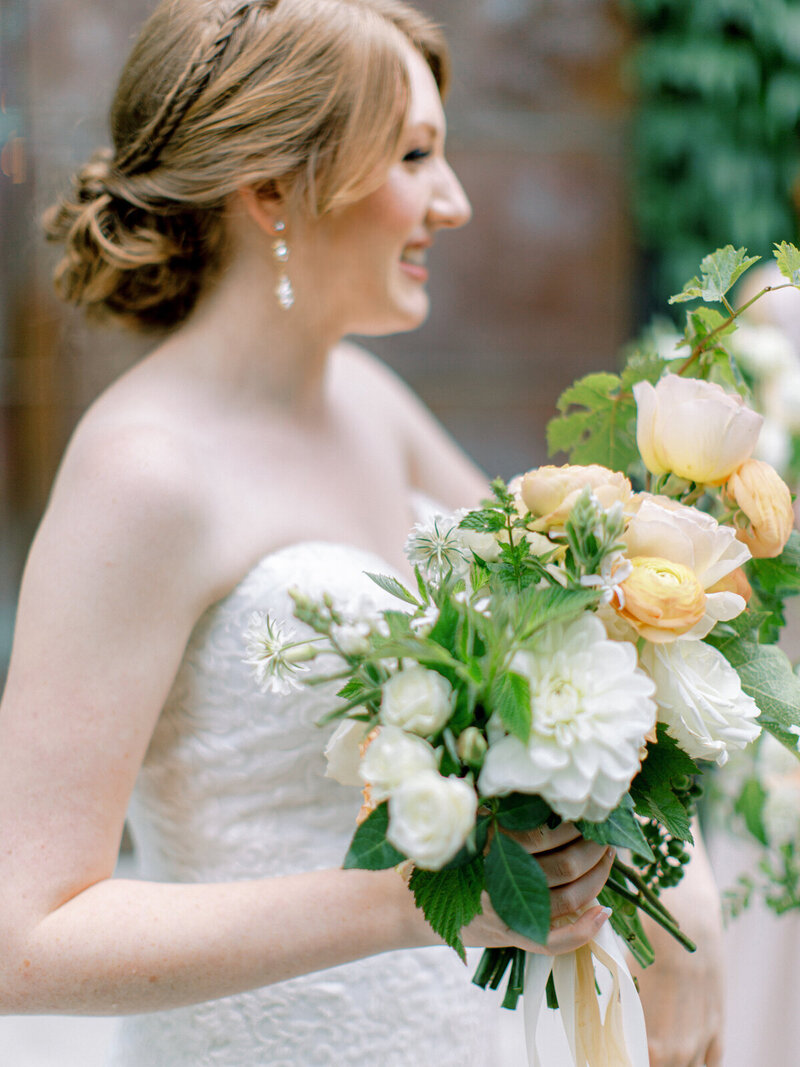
265	206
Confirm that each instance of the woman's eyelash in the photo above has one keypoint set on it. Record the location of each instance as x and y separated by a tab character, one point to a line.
416	155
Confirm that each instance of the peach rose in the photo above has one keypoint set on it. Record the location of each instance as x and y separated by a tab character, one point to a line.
693	429
550	492
660	599
764	498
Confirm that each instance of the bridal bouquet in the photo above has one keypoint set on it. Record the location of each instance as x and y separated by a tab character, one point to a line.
576	648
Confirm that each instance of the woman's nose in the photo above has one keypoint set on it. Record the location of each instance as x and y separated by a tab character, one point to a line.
450	205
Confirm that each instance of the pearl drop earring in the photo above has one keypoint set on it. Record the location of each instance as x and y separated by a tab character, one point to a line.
280	250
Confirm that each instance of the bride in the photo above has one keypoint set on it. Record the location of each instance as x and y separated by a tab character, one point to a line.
277	177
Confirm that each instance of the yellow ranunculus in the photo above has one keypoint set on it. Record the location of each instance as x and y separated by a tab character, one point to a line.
550	492
693	429
660	599
764	498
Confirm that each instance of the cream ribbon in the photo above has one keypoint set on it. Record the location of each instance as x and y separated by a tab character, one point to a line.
587	1030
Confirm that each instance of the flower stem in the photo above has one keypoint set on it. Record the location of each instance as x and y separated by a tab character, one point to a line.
657	912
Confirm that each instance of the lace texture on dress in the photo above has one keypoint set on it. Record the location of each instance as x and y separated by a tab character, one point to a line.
233	787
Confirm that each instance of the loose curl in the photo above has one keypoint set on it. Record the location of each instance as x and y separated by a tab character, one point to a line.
305	95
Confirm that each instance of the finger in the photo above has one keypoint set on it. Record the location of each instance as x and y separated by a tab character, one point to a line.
543	839
714	1054
568	899
571	862
571	936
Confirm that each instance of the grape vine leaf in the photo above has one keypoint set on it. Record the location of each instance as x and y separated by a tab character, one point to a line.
788	259
450	899
596	424
718	272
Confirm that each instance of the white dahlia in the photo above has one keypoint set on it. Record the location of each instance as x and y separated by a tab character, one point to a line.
591	709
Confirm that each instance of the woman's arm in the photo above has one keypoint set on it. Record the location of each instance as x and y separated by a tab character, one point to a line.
119	572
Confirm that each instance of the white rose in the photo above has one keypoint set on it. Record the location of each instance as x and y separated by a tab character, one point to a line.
393	757
417	699
763	350
700	698
430	818
343	752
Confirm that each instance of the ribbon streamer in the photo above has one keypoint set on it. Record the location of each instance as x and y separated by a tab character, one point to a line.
587	1030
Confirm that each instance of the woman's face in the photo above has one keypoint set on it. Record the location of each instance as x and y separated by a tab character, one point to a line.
366	263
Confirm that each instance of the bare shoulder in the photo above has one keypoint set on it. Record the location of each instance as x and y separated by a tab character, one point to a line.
366	371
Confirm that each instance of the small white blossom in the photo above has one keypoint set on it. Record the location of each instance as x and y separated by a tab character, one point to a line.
274	654
436	548
613	571
352	637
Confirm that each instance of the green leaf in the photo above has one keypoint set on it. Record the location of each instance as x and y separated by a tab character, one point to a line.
620	829
398	623
391	585
750	805
369	850
445	629
719	271
353	688
484	520
788	258
602	429
520	812
510	697
475	846
518	888
450	899
658	790
767	676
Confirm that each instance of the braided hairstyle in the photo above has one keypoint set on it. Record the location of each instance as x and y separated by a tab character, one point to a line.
218	94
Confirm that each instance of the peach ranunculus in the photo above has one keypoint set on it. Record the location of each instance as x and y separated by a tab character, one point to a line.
693	428
550	492
735	582
660	599
665	529
764	498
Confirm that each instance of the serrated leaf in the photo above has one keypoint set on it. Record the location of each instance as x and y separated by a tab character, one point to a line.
475	846
450	899
621	829
510	697
652	790
398	622
353	688
484	520
369	850
781	574
718	272
603	429
788	259
518	888
662	804
391	585
767	676
519	812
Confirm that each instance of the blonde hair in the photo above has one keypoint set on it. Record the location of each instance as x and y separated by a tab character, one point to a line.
218	94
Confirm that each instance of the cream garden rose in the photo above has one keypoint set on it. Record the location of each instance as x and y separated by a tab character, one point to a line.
764	498
393	757
418	700
693	428
550	493
430	818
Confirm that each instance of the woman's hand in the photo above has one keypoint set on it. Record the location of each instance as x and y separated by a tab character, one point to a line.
576	871
682	992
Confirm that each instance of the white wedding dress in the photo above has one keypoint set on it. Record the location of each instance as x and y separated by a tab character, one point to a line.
233	787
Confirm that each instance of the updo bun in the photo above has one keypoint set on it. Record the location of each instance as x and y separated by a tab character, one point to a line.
217	95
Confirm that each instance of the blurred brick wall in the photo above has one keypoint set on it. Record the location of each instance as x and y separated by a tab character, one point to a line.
534	292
